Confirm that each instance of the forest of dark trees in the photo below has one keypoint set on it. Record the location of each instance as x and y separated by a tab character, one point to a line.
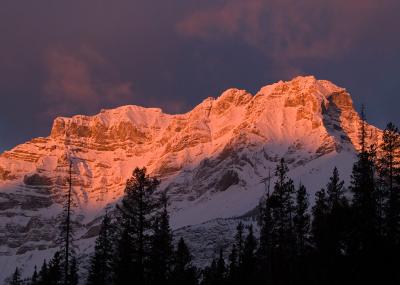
350	235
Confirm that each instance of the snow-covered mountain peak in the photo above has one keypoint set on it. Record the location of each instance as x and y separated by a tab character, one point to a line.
304	92
211	160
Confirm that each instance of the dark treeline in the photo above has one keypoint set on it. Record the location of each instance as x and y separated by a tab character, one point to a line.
134	246
349	236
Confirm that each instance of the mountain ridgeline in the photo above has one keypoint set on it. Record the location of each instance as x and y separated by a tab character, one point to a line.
214	164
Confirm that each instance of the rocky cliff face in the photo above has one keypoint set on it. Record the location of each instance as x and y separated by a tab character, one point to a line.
213	160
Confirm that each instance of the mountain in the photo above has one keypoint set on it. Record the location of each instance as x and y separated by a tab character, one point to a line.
213	162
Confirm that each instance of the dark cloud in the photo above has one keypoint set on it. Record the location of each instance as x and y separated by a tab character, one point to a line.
69	57
81	81
291	29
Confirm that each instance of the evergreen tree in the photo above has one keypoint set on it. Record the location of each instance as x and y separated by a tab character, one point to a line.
35	277
221	269
16	278
335	190
161	248
100	267
282	205
337	217
68	237
136	225
365	238
389	172
43	274
233	266
249	259
283	240
301	220
364	204
319	224
210	274
124	259
235	275
53	274
320	236
65	239
265	250
55	270
330	229
73	277
266	228
239	240
183	272
362	133
216	273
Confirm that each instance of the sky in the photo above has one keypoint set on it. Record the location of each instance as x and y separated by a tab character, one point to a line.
67	57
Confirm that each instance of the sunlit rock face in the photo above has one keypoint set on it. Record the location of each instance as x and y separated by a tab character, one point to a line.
212	161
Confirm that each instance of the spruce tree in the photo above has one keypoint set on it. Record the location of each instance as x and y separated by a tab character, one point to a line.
16	278
239	240
320	237
55	270
68	234
282	204
73	277
65	239
265	250
135	222
330	230
161	248
124	259
266	224
210	274
100	267
249	259
35	277
337	215
364	204
215	274
319	224
301	220
236	256
365	239
335	190
183	272
282	235
233	266
389	172
43	274
362	132
221	269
